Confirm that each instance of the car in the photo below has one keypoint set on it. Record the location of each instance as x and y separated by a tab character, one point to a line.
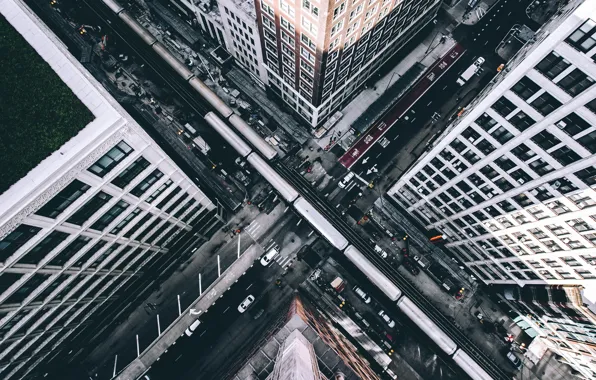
409	265
192	327
269	256
391	373
381	252
246	303
514	360
362	294
390	322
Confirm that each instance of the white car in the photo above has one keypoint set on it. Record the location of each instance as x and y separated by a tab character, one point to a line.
390	322
246	303
269	256
192	328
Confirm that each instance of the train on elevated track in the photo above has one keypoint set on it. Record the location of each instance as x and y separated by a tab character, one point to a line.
259	160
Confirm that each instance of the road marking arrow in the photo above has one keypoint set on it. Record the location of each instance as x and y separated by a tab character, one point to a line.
365	160
194	312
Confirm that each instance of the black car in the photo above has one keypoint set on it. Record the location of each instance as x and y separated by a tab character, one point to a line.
411	267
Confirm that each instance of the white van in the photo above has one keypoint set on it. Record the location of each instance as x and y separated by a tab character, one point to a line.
269	256
344	182
362	294
192	328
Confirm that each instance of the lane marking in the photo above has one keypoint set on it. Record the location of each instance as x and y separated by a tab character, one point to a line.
226	309
203	333
249	286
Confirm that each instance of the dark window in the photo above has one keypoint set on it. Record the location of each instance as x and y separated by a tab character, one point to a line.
540	167
521	121
575	82
506	206
545	140
105	255
503	184
505	163
87	255
131	257
63	199
107	218
138	225
583	38
192	201
159	191
169	197
565	155
485	147
523	200
105	164
7	280
563	185
146	183
470	134
447	155
37	253
545	103
27	288
572	124
486	122
552	65
525	88
520	176
489	172
588	141
591	105
148	229
72	249
177	203
131	172
587	175
471	157
541	193
124	222
50	288
16	239
502	135
503	106
88	209
523	152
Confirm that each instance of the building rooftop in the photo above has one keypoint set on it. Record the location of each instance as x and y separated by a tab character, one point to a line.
39	111
247	7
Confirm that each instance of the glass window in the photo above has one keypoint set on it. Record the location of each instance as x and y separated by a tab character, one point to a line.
572	124
575	82
131	172
159	191
565	155
587	175
503	106
486	122
591	105
72	249
489	172
138	225
525	88
485	147
27	288
504	163
540	166
107	218
63	199
45	246
545	140
16	239
545	103
523	152
552	65
169	197
588	141
583	38
148	229
146	183
124	222
97	262
503	184
183	209
520	176
112	158
563	185
88	209
521	121
87	255
502	135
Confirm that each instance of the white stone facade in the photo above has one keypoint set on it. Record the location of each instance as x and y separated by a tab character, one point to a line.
71	231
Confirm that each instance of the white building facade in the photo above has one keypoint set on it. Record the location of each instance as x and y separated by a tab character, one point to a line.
84	222
511	184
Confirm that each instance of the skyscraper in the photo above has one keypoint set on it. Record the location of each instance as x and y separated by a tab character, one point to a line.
318	54
87	198
510	184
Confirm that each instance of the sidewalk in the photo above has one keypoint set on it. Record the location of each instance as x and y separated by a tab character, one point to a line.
464	14
425	54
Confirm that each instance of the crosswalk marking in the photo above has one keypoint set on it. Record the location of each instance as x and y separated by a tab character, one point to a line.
284	261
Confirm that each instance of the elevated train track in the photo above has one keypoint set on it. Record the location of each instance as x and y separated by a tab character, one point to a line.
297	191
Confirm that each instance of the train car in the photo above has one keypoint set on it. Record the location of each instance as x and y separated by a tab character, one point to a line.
281	185
373	273
228	134
470	366
178	66
321	224
253	137
113	5
211	97
138	29
426	325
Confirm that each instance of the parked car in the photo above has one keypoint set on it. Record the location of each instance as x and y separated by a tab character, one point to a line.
514	360
390	322
362	294
269	256
246	303
192	327
409	265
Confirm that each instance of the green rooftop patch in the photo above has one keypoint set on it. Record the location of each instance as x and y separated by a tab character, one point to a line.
38	112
